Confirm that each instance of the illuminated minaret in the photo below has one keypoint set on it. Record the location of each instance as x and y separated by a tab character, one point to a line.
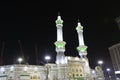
81	48
60	44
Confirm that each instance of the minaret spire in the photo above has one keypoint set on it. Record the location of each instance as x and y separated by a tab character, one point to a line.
58	13
21	51
60	44
81	48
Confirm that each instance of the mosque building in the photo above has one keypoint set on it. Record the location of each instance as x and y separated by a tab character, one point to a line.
65	67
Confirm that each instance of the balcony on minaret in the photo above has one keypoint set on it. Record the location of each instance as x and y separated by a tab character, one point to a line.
59	21
60	46
79	27
82	48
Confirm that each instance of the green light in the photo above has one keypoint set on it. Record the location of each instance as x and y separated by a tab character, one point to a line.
79	78
82	48
59	21
60	44
79	28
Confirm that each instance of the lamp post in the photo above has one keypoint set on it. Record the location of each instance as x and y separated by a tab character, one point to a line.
108	71
100	62
20	60
47	58
94	74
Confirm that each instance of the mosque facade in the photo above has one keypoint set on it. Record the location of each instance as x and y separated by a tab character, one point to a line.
65	67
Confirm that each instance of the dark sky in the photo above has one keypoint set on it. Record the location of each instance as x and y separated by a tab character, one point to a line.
33	22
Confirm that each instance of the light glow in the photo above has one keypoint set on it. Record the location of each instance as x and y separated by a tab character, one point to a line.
25	68
86	63
93	71
2	69
100	62
35	68
11	68
81	48
108	69
20	60
117	72
117	78
69	58
60	44
47	57
76	58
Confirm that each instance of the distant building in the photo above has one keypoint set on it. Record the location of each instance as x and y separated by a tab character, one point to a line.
65	68
115	57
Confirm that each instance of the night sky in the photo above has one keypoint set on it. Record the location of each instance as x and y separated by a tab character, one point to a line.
33	23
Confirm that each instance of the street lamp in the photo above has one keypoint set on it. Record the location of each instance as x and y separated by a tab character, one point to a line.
108	70
47	58
100	62
94	74
20	60
11	68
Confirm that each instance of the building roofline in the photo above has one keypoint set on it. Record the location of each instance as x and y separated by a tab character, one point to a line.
113	46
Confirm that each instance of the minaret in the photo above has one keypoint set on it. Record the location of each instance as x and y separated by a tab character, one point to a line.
60	44
82	47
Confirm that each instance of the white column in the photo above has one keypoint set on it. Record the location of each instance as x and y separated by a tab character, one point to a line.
60	44
80	36
59	33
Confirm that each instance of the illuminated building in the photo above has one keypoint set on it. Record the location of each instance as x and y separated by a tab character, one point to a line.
115	57
65	68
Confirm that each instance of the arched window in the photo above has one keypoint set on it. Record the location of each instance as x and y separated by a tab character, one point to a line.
73	75
81	75
77	75
80	70
76	70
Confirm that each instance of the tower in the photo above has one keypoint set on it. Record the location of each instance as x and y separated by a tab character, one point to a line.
82	47
82	50
114	51
60	44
